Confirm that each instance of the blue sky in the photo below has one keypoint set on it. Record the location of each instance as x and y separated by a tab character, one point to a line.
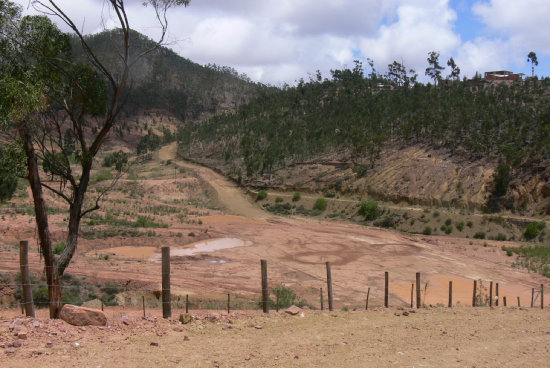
281	41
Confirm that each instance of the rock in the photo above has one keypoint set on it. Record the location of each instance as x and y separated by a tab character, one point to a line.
48	344
36	324
22	335
154	343
258	327
185	318
405	313
16	344
185	338
9	351
80	316
125	320
293	310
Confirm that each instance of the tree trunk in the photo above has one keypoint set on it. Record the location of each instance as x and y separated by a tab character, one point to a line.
41	215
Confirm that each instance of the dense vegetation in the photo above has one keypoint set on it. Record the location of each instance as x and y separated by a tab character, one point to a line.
165	80
355	116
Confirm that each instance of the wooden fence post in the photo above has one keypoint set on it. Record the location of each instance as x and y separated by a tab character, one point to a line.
474	295
329	287
166	298
496	295
418	296
367	302
541	296
450	294
186	303
504	301
102	305
228	303
277	301
26	278
321	296
532	297
386	289
519	302
491	294
143	303
412	295
265	292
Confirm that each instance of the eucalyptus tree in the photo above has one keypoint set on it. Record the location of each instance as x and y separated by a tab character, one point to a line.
434	69
455	70
60	106
532	58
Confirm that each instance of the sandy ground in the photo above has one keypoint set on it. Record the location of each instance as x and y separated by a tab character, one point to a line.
433	337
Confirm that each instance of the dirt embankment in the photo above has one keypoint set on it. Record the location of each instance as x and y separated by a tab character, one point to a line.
415	175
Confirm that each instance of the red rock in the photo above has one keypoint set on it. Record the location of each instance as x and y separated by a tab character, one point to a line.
48	344
154	343
293	310
22	335
185	338
16	344
80	316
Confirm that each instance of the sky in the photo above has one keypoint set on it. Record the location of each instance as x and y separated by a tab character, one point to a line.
281	41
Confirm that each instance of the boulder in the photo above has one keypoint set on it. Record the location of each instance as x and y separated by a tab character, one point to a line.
80	316
293	310
185	318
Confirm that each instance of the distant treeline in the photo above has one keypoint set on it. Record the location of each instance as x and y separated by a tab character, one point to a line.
356	116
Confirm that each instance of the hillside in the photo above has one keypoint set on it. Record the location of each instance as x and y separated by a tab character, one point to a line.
166	81
425	144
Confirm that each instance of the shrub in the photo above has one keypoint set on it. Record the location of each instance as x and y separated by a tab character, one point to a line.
470	224
479	235
320	204
427	230
278	200
448	222
448	229
59	247
460	225
296	197
369	209
191	234
501	237
533	230
436	213
262	194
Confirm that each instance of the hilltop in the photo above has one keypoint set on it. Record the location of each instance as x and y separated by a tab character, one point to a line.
163	80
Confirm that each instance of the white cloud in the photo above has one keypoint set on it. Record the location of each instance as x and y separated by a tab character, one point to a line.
524	23
420	27
280	41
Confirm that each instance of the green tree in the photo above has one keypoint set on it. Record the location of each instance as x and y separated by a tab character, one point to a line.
532	58
41	82
455	70
434	69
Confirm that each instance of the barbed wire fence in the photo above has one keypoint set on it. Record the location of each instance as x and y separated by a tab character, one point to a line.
30	292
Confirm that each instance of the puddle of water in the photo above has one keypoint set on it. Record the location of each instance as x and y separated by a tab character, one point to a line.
133	252
205	246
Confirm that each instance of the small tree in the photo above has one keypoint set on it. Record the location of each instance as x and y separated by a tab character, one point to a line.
455	70
369	209
43	90
532	58
434	70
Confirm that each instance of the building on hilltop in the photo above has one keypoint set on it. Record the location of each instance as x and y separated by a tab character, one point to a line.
503	75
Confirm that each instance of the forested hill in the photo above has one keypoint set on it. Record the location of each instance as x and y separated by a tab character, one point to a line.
164	80
353	119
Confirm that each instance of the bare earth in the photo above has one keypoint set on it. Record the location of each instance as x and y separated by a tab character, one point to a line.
439	337
296	250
